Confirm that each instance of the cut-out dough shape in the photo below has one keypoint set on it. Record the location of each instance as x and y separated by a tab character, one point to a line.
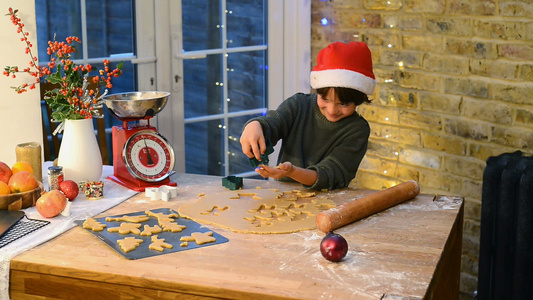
126	228
130	219
129	244
171	226
199	238
262	211
93	225
158	244
149	230
162	216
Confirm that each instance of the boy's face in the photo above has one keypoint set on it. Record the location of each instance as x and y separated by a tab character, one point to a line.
332	108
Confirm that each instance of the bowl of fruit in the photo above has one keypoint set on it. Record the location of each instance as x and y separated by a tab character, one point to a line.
18	187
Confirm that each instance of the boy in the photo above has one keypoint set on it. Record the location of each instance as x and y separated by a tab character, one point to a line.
323	138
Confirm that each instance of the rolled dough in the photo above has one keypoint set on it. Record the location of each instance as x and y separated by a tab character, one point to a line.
263	211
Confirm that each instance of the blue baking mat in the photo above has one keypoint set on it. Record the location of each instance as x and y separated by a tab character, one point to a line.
142	251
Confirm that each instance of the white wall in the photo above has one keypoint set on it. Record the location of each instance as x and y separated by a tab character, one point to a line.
20	114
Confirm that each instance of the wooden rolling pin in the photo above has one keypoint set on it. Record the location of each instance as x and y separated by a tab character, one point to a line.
360	208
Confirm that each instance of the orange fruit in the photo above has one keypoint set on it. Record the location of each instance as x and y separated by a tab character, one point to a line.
21	166
4	188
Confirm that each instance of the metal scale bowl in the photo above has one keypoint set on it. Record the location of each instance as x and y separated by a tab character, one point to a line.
142	157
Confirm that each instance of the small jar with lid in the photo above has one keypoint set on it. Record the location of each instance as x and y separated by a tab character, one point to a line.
55	177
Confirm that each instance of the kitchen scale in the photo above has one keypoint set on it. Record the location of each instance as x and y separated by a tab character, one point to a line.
142	157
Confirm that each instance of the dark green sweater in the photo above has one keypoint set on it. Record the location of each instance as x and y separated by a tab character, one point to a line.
309	140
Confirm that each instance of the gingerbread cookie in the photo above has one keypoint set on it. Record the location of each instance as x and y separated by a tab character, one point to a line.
93	225
162	216
171	226
130	219
199	238
126	228
129	244
159	244
151	230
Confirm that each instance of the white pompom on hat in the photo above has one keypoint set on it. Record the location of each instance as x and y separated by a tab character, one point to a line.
344	65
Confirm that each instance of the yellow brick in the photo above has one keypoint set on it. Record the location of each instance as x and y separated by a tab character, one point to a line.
467	47
449	104
466	128
454	26
521	138
464	166
466	86
416	80
492	111
494	68
439	142
425	159
405	99
420	119
445	64
513	93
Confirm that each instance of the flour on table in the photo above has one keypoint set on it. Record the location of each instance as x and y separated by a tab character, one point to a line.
263	211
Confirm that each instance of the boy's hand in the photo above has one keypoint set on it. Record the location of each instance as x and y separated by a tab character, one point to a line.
253	141
282	170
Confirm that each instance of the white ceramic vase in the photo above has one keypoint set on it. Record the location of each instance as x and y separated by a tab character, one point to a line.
79	154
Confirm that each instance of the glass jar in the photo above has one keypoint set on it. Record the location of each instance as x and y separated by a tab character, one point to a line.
55	177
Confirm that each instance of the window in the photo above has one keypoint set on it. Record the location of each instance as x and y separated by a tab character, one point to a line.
106	30
225	80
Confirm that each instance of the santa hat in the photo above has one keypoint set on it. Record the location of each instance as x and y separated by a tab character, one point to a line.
344	65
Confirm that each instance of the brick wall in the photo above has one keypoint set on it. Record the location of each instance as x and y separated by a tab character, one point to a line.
455	86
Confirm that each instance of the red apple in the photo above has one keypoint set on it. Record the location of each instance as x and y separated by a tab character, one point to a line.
22	181
70	189
51	203
5	172
334	247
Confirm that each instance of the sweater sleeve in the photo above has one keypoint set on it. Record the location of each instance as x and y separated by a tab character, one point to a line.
278	123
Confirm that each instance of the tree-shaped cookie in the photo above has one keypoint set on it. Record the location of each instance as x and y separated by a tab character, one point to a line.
130	243
93	225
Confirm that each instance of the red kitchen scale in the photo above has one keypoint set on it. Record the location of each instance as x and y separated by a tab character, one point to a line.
142	158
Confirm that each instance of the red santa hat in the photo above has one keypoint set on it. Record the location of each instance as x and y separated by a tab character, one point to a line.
344	65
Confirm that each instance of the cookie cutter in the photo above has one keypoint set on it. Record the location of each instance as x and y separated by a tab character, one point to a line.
232	182
163	192
264	157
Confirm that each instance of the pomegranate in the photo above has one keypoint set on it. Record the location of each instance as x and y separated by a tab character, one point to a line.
333	247
69	188
51	203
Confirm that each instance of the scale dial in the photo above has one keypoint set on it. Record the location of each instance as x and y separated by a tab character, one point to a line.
148	156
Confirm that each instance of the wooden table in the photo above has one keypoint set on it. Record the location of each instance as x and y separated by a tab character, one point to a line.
412	250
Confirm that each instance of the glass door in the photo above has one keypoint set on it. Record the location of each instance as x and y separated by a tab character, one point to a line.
223	49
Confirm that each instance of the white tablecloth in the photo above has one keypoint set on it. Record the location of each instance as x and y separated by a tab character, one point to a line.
80	209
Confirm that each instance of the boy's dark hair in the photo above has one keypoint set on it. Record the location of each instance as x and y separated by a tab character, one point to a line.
346	95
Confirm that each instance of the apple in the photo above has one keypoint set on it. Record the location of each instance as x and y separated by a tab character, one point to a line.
22	181
5	172
51	203
333	247
70	189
